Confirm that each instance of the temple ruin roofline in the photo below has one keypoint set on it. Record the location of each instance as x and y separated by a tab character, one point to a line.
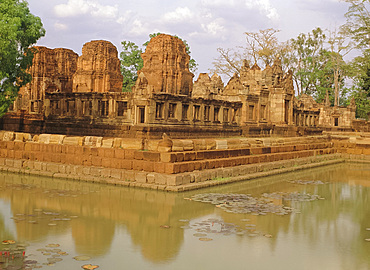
82	95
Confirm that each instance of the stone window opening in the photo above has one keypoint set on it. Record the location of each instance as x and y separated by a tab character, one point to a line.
336	121
286	111
121	108
263	112
251	112
235	115
104	108
172	110
88	110
206	112
196	113
159	108
185	110
226	115
216	113
67	106
141	116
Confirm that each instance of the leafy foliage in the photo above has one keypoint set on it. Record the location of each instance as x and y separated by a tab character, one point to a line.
131	63
358	22
19	29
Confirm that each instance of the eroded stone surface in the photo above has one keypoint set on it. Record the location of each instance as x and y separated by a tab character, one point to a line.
98	68
166	68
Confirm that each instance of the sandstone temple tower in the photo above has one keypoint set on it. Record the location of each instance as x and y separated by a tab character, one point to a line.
98	68
166	67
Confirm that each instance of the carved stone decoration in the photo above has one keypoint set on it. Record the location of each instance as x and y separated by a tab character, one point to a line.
234	86
166	67
51	71
98	68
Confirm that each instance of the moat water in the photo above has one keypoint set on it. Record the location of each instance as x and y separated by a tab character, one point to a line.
61	224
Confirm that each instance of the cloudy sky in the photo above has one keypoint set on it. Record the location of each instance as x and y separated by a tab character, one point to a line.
205	24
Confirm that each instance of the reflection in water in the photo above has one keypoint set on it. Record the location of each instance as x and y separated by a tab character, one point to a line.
115	224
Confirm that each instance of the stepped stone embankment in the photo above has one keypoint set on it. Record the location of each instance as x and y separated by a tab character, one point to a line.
173	165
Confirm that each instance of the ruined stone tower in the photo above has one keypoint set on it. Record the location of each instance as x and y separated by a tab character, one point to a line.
166	68
98	68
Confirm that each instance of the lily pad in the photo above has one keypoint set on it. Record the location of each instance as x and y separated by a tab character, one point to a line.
53	245
82	258
205	239
199	234
89	266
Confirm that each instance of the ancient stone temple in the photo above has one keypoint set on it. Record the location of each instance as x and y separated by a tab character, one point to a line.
51	71
166	68
98	68
83	96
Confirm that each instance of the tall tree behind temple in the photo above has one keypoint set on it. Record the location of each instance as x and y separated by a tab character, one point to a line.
19	29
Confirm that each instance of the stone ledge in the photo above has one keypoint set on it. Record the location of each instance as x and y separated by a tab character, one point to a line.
178	182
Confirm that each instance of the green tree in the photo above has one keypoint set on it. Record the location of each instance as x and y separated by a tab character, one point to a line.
308	54
360	90
261	47
131	61
19	29
358	22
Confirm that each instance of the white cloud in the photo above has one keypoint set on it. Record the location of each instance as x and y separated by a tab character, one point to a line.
263	6
214	28
79	7
138	28
60	26
179	15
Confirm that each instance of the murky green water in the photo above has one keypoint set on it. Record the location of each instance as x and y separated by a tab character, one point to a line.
122	228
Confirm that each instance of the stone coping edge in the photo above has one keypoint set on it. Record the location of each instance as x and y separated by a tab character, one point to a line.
261	170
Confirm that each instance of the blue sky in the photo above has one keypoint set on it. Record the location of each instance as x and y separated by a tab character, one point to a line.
205	24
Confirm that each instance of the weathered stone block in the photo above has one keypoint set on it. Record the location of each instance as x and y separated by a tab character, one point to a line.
94	171
189	156
152	145
8	136
165	145
151	156
221	144
132	143
119	153
56	139
140	177
199	145
116	174
168	157
188	145
177	146
107	143
52	167
159	167
130	154
96	161
174	180
93	141
18	164
73	140
126	164
160	179
44	138
150	178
